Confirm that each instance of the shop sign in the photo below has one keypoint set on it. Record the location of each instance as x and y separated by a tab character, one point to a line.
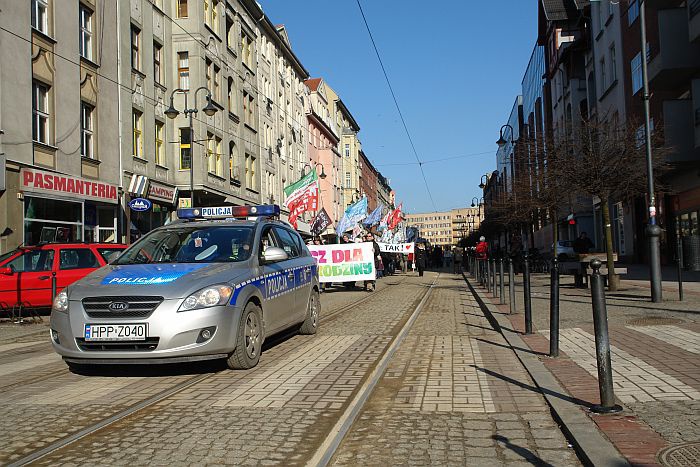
140	204
159	192
185	203
39	181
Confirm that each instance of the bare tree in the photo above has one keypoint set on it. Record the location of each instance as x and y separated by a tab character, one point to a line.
605	160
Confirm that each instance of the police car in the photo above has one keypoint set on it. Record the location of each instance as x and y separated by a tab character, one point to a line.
211	285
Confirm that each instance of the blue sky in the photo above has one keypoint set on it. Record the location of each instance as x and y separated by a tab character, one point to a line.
455	66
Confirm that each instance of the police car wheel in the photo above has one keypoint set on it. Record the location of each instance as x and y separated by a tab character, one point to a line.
249	340
310	324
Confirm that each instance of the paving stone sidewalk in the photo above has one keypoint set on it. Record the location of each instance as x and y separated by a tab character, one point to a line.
455	394
655	357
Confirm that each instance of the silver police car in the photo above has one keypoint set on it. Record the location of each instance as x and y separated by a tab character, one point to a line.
196	289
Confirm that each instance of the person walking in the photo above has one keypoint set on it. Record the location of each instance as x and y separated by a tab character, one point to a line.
458	254
421	258
377	261
482	253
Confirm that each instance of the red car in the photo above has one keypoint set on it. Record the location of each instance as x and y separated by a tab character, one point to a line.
25	273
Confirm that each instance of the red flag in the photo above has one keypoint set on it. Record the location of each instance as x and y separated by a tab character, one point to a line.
395	217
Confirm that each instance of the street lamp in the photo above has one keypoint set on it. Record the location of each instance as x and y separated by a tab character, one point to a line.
322	175
171	112
483	183
477	201
653	230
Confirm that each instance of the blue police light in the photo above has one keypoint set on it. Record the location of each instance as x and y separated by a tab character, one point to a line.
224	212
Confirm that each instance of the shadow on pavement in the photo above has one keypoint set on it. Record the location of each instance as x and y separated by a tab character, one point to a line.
565	397
525	453
509	347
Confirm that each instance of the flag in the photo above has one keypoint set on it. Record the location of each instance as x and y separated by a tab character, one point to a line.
353	214
302	196
374	217
395	218
321	222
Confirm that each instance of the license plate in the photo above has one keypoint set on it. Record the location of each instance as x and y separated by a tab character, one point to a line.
116	332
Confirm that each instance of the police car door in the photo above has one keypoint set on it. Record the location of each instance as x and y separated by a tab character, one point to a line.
295	269
279	297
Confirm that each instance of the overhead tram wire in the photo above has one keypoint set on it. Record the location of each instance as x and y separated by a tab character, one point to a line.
396	102
431	161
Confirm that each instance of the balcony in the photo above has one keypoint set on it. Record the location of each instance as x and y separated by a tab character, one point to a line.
680	131
678	59
694	20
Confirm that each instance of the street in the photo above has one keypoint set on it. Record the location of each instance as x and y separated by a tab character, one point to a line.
453	393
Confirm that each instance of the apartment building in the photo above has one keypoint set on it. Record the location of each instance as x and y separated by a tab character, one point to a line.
445	229
59	175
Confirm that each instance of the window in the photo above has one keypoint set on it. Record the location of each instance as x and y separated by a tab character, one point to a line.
217	84
232	161
289	245
348	180
137	127
214	164
248	112
108	254
250	170
185	149
86	130
182	8
157	61
183	70
613	64
632	12
231	97
135	44
347	150
247	50
636	67
603	75
77	258
230	33
219	160
41	120
160	143
32	261
210	14
85	33
40	15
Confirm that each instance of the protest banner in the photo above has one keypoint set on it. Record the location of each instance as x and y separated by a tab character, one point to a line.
321	222
302	196
404	248
344	262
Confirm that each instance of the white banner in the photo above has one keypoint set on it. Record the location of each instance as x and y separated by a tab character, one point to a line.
404	248
347	262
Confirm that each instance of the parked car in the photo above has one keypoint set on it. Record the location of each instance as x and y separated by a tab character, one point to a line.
25	273
565	250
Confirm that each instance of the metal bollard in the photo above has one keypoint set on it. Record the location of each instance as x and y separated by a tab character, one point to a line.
488	274
511	285
501	282
526	294
602	343
53	285
679	262
554	309
494	280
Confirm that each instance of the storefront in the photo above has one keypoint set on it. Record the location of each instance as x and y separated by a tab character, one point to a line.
163	199
63	208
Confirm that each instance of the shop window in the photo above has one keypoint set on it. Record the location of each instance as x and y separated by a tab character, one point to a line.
32	261
77	258
50	220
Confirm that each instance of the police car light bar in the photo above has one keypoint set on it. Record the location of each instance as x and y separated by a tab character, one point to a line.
223	212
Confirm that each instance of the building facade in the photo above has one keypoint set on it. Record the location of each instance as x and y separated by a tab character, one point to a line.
446	228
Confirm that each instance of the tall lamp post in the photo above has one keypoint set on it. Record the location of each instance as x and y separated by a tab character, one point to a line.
210	109
653	230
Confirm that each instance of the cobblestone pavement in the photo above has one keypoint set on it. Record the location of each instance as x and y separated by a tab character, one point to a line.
656	368
454	395
276	413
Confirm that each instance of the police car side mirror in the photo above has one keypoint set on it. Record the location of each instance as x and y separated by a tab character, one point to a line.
273	254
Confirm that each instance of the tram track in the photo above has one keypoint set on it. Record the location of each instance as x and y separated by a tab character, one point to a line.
96	427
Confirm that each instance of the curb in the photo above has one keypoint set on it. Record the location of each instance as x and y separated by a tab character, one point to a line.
592	447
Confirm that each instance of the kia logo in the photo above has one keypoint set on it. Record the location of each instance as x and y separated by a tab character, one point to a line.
118	306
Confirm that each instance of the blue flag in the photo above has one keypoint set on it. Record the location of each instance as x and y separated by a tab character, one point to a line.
375	217
353	214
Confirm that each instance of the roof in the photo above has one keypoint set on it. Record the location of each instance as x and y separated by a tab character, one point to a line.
313	83
557	10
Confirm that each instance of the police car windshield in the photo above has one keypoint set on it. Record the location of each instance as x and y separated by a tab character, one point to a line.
191	244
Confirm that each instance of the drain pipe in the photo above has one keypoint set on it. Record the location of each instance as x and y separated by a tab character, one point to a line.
120	194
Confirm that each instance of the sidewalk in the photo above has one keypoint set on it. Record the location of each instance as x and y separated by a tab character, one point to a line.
655	357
